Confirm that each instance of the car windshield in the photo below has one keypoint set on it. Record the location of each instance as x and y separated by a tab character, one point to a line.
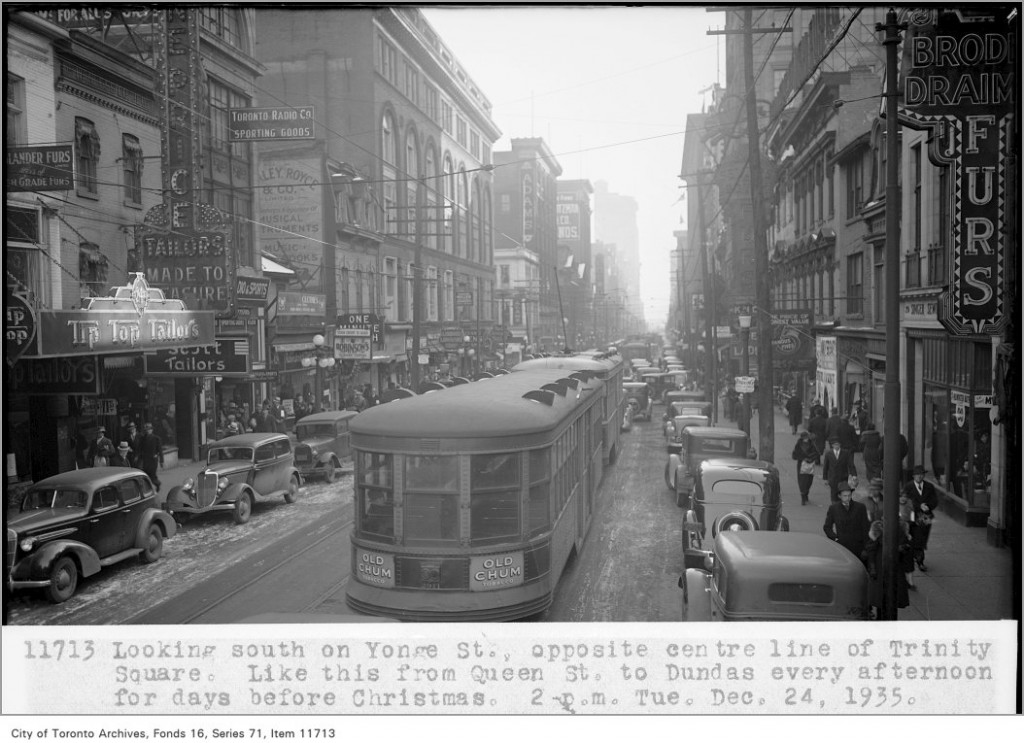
314	430
43	498
228	453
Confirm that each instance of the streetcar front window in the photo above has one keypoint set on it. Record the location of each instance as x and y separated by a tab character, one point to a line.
495	497
431	490
375	495
540	500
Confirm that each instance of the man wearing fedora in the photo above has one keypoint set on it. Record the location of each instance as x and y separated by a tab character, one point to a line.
847	522
101	449
925	499
123	456
838	468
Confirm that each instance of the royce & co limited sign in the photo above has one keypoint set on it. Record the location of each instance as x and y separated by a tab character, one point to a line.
958	77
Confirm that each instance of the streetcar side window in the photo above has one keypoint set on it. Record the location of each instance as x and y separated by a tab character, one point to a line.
431	495
540	492
375	496
495	497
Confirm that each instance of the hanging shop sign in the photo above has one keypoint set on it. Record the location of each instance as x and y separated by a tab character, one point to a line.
353	347
184	243
227	357
360	320
136	318
273	124
19	326
301	310
47	168
792	343
252	290
958	77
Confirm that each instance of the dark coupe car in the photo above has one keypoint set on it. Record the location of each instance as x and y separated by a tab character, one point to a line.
73	524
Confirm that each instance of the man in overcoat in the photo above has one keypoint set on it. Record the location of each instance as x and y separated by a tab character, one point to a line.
837	468
847	522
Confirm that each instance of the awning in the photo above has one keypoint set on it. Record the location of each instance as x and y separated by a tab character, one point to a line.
269	265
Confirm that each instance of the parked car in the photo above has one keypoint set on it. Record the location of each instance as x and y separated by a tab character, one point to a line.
73	524
696	444
657	381
323	441
674	429
638	397
239	469
731	494
759	576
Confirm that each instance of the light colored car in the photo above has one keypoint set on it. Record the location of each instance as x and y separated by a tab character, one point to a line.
731	494
239	469
771	576
323	442
73	524
694	444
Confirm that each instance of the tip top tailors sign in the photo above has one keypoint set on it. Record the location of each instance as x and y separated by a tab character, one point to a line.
135	318
46	168
958	78
271	124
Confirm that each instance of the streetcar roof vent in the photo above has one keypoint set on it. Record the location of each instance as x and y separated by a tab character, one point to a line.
584	376
544	396
430	444
559	387
569	382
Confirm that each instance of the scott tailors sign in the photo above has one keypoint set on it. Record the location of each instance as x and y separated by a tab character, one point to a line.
958	78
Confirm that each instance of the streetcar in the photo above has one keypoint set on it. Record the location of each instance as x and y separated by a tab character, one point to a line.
469	501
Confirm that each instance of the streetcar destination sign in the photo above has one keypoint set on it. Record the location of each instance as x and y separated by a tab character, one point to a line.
271	124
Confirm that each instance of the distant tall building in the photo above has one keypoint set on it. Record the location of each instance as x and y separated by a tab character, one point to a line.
526	195
615	222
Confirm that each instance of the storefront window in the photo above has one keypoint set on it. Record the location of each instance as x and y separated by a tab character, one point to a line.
936	439
161	410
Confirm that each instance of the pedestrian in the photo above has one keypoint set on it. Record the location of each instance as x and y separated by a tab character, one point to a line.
818	409
234	428
838	468
151	453
848	435
925	500
369	396
905	550
123	456
847	522
101	449
874	502
871	556
816	427
834	425
805	453
871	446
133	437
795	408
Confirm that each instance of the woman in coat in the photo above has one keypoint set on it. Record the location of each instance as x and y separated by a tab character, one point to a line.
795	408
805	453
871	445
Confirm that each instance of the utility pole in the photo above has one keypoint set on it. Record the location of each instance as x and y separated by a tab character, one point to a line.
891	397
763	313
762	297
710	301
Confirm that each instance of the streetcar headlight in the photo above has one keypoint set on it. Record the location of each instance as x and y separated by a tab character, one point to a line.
27	544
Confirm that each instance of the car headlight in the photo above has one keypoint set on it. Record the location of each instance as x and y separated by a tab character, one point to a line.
27	544
222	484
189	484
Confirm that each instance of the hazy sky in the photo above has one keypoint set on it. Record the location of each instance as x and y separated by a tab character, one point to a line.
608	89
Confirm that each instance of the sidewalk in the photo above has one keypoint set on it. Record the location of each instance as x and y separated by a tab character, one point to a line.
967	578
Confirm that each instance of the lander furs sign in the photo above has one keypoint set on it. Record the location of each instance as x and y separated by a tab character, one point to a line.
958	78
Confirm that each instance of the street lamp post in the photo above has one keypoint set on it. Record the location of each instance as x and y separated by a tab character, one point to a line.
744	321
323	358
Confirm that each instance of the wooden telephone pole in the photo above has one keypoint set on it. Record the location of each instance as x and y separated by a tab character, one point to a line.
762	316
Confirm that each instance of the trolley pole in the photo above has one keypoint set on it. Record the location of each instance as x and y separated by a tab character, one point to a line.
891	400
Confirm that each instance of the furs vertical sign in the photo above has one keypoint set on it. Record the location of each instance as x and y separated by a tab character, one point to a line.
958	75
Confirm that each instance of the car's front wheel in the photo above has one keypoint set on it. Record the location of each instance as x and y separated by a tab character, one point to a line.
293	490
330	471
63	580
243	508
153	546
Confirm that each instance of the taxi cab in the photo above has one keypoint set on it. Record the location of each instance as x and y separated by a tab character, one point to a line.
774	576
